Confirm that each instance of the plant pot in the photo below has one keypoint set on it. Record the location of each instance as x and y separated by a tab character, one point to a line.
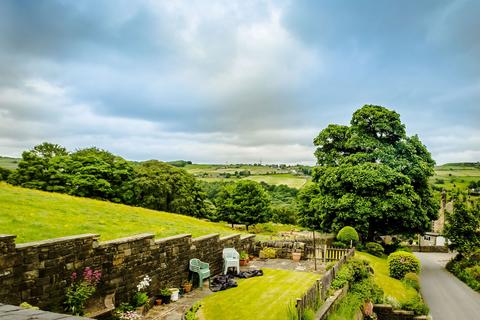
250	258
296	256
368	308
165	299
158	302
243	262
187	287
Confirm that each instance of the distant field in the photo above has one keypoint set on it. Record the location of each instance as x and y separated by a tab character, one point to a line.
8	163
456	175
35	215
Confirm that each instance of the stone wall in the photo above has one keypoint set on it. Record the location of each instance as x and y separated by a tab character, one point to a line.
284	248
39	272
386	312
428	248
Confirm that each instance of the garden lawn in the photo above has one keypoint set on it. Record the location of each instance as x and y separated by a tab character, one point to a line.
391	287
35	215
266	297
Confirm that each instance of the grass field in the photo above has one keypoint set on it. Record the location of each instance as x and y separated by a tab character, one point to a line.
456	175
266	297
391	287
8	163
35	215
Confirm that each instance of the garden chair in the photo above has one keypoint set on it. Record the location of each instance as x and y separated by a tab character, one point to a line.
231	258
202	269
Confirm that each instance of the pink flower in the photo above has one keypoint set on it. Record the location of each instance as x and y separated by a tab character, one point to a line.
73	277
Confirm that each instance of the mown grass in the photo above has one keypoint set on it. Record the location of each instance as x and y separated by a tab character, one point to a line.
266	297
391	287
36	215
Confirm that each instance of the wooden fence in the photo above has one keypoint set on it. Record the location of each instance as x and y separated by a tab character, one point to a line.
318	291
325	254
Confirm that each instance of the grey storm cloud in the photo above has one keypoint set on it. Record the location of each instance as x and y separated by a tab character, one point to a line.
235	81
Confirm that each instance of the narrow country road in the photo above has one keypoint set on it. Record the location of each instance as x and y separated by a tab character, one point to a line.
447	297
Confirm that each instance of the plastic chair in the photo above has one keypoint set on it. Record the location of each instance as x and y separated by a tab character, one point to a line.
202	269
231	258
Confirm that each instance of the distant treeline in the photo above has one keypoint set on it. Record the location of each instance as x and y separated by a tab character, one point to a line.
99	174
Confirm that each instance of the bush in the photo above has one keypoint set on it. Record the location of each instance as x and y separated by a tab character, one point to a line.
416	305
268	253
339	244
412	280
139	299
347	234
360	269
342	278
375	248
367	289
401	263
191	314
330	265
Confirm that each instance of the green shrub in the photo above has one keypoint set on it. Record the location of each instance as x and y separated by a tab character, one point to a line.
375	248
347	234
191	314
401	263
416	305
330	265
139	299
474	272
360	269
343	277
308	314
268	253
367	289
403	248
412	280
339	244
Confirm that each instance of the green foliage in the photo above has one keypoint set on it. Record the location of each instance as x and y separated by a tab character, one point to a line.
412	280
4	173
268	253
401	263
243	255
99	174
164	292
416	305
244	202
371	176
352	271
340	244
308	314
466	269
160	186
27	305
347	234
330	265
375	248
284	214
139	299
191	314
80	291
462	228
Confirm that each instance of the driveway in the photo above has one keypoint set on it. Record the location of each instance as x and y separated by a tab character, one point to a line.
447	297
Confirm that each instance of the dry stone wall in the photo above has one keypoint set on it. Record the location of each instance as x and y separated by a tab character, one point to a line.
39	272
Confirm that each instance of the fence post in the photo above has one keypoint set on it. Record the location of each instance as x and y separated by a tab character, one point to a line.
324	253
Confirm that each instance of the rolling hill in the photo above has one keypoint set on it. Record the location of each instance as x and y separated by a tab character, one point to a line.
36	215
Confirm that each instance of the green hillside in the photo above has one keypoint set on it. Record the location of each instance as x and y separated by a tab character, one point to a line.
36	215
8	163
454	176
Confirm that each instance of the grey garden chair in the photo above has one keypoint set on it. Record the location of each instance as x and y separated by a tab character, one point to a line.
202	269
231	258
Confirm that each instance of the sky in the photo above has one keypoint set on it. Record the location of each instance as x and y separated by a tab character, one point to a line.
235	81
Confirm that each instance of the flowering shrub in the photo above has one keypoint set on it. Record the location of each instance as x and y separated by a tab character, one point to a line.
401	263
140	298
81	289
129	315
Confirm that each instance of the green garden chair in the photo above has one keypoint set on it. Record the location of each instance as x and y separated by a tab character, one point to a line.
202	269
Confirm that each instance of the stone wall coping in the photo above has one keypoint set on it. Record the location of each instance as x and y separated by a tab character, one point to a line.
7	236
247	237
49	242
208	236
136	237
230	236
175	237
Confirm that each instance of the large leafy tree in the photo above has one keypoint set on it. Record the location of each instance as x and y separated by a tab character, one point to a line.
463	228
35	169
161	186
244	202
370	175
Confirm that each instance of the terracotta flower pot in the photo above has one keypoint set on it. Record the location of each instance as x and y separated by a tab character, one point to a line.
243	262
187	287
158	302
296	256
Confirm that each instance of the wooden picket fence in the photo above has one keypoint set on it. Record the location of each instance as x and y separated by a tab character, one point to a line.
326	254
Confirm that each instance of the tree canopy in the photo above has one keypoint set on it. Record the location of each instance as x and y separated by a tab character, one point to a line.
370	175
462	227
243	202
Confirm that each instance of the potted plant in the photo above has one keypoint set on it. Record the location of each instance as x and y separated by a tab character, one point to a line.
243	258
165	295
296	256
187	286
